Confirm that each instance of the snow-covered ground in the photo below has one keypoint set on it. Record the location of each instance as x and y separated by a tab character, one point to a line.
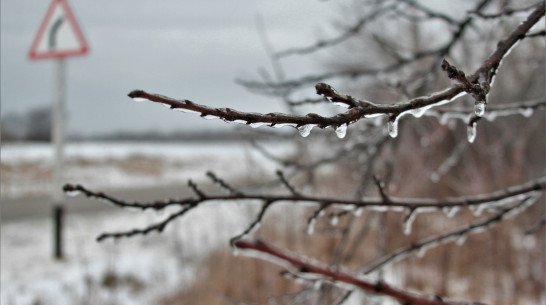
140	270
26	168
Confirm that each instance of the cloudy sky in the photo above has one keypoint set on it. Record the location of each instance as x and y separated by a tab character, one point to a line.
183	49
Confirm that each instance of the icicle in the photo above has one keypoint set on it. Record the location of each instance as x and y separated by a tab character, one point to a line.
139	99
208	117
471	133
341	131
392	127
305	130
460	241
418	112
182	109
479	108
334	220
282	125
235	251
526	112
311	226
477	210
358	211
408	221
451	211
73	193
256	125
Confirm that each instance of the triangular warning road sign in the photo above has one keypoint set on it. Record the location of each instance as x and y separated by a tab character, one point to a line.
59	34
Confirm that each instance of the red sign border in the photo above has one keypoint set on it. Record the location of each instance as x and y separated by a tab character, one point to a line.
33	54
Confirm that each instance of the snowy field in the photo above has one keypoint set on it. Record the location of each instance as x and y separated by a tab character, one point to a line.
26	168
140	270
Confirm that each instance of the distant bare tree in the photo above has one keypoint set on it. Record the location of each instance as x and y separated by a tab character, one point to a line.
487	64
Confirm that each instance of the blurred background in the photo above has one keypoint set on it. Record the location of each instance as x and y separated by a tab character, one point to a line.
219	53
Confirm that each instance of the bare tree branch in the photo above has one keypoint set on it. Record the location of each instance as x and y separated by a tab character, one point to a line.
359	109
495	198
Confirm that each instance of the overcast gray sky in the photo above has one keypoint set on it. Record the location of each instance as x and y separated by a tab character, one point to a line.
183	49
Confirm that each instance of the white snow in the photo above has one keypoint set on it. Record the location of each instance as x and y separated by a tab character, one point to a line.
139	270
26	168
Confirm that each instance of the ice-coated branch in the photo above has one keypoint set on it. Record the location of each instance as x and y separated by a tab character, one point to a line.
359	109
305	266
488	69
500	197
457	235
473	89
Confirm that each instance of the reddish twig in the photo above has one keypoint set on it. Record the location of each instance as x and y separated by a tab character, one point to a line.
306	266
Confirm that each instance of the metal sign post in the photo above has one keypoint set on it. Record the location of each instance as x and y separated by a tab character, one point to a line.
59	36
57	136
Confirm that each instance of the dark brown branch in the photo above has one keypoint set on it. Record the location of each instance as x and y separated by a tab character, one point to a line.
505	12
223	184
474	89
255	224
352	73
394	202
159	227
488	69
307	266
285	182
359	109
279	119
409	203
348	33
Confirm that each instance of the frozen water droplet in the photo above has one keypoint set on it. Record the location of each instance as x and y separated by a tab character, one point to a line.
341	104
341	131
317	285
182	109
311	226
451	211
305	130
392	127
435	177
526	112
418	112
421	252
477	210
358	211
235	251
444	118
479	109
208	117
72	193
424	141
460	241
334	220
408	221
256	125
139	99
471	133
